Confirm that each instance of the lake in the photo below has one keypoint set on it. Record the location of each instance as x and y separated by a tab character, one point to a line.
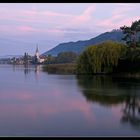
35	103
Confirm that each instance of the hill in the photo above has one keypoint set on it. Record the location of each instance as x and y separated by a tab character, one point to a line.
79	46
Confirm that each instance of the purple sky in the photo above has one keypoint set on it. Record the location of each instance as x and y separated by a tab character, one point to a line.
24	25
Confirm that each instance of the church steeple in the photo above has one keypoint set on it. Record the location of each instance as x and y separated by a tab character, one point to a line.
37	59
37	52
37	48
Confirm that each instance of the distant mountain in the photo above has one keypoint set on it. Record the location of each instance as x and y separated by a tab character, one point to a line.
79	46
10	56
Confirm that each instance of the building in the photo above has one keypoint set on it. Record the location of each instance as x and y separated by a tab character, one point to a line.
37	59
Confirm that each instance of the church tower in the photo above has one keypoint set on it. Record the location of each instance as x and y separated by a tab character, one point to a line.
37	52
37	59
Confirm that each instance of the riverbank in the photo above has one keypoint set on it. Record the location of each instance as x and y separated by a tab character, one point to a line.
65	68
70	68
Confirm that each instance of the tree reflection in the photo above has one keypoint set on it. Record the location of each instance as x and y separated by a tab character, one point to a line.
100	89
108	91
131	111
29	68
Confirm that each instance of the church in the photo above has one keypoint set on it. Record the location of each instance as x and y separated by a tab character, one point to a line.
37	59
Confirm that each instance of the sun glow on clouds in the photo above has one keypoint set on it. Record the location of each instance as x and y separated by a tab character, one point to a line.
33	17
55	22
26	29
119	17
85	16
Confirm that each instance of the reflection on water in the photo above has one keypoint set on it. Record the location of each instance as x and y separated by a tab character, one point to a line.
131	111
35	103
28	68
110	91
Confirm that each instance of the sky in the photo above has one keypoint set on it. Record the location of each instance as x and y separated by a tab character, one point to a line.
24	25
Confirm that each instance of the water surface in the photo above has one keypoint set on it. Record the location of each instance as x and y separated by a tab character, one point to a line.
35	103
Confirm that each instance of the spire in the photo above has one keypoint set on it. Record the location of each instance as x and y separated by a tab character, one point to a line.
37	50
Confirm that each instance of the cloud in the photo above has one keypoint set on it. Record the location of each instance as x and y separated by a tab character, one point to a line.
85	17
55	14
125	4
33	20
19	30
26	29
49	17
128	21
119	18
123	10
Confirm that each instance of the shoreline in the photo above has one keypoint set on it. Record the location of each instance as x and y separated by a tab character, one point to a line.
70	68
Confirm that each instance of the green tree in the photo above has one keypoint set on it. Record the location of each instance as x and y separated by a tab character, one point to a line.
131	34
100	58
50	59
66	57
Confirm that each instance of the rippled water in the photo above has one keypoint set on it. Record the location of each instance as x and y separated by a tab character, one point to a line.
35	103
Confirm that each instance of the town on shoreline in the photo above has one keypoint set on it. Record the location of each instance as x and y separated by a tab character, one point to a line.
25	59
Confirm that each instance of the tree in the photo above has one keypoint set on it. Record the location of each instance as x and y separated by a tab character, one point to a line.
66	57
50	59
101	58
132	39
131	33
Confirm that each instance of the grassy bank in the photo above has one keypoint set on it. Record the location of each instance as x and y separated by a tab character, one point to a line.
70	68
65	68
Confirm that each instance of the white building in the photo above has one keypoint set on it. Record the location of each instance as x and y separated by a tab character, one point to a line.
37	57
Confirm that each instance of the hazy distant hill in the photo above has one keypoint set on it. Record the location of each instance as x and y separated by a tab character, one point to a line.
10	56
79	46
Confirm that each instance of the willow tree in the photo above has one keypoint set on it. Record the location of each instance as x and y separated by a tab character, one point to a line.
100	58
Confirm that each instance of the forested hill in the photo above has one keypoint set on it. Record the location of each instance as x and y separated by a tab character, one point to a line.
78	47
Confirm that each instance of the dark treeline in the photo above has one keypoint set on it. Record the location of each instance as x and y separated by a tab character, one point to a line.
63	63
63	57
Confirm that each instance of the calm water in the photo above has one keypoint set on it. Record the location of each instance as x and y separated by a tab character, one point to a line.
35	103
